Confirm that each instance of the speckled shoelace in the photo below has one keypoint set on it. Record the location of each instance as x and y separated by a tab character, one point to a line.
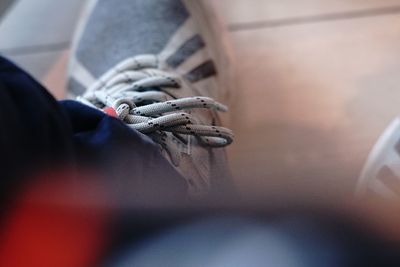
133	92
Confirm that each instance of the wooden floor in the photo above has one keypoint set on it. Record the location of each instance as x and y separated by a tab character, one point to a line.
318	81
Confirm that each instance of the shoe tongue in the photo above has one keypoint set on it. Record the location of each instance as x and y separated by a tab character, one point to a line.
132	28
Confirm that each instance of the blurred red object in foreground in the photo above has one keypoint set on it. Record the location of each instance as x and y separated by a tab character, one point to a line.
59	220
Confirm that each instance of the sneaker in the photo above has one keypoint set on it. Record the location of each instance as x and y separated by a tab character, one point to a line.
380	176
153	64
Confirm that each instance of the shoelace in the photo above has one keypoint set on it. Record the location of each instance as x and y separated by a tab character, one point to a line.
134	90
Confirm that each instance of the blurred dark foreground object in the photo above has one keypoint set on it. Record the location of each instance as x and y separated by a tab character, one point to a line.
39	134
58	224
251	236
49	151
80	189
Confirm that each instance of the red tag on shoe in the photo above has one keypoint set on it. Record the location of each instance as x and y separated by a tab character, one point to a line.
111	112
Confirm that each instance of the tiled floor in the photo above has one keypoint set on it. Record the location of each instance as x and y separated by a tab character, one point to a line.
318	80
35	33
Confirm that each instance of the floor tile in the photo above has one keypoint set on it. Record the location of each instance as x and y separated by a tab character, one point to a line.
34	23
56	78
38	64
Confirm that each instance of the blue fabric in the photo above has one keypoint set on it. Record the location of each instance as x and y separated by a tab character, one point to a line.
38	132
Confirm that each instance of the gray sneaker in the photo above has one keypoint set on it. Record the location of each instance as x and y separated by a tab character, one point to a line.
153	64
